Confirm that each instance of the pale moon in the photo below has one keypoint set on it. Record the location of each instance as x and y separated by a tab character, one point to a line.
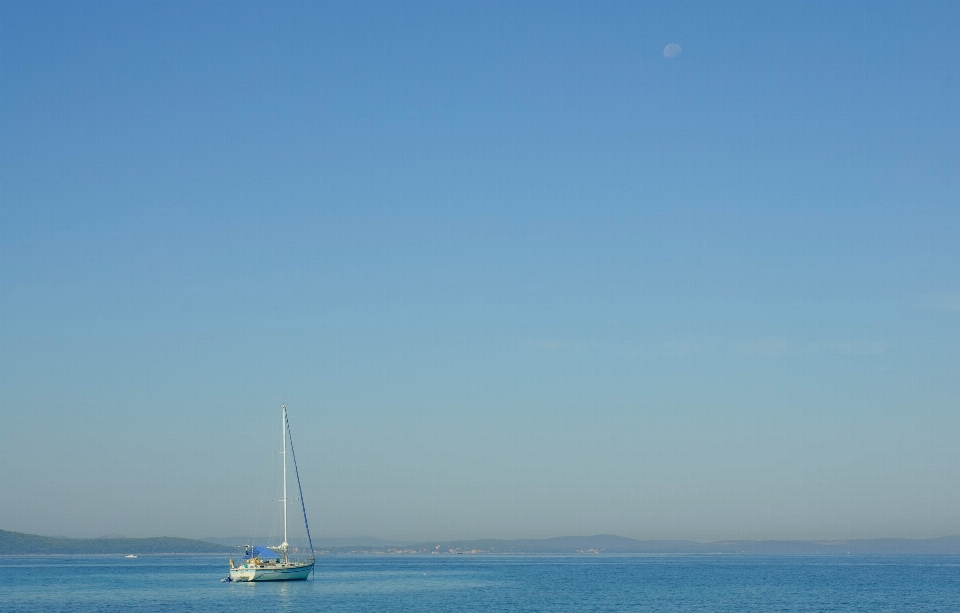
671	51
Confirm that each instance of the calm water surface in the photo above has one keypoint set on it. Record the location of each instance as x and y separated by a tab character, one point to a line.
491	583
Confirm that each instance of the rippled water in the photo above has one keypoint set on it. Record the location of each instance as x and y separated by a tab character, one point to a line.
553	584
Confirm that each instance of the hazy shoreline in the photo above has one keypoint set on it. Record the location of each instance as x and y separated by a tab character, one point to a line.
18	543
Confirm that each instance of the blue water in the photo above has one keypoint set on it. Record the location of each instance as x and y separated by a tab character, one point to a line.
554	584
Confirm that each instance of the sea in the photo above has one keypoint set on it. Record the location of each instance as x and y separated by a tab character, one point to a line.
514	583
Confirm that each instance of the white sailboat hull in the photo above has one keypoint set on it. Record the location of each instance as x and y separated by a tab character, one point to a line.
272	572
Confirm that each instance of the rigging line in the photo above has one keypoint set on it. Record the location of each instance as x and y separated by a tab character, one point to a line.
296	470
263	492
275	525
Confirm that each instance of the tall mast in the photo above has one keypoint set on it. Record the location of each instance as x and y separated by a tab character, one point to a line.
283	434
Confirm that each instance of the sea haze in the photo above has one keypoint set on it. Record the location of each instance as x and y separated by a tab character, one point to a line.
350	541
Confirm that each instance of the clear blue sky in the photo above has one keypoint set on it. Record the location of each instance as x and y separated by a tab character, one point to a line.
516	273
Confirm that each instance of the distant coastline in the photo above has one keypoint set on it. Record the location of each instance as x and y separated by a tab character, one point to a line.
612	544
18	543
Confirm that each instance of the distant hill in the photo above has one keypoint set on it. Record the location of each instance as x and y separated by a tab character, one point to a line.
12	543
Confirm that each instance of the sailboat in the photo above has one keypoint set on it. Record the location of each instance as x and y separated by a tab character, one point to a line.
275	563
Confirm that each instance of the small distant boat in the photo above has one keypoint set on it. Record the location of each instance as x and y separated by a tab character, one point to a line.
274	563
130	556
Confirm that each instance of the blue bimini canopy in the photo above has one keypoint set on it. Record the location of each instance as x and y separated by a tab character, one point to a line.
264	553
